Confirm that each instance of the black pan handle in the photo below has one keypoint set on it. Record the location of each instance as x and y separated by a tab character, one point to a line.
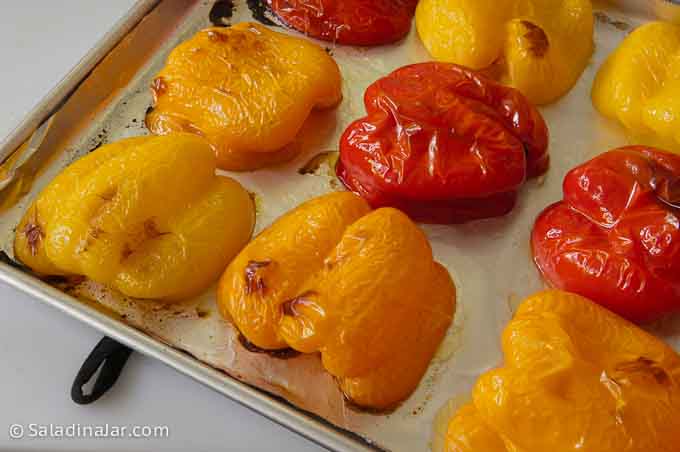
108	355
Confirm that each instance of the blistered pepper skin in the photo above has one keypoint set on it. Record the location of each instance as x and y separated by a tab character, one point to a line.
639	83
146	216
246	89
576	377
351	22
334	278
272	268
444	144
537	46
615	238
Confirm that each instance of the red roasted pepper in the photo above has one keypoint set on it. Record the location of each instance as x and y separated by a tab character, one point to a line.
615	238
353	22
443	143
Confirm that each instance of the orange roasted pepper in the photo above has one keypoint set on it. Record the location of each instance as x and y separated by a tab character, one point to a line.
576	378
333	277
539	47
246	89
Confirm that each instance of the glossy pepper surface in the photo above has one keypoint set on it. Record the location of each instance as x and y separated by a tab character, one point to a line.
576	377
639	85
443	143
146	216
538	46
335	278
353	22
246	89
615	238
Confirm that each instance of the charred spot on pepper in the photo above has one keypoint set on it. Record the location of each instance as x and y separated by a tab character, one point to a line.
34	235
108	195
538	40
283	353
289	307
644	365
255	282
126	252
151	230
158	87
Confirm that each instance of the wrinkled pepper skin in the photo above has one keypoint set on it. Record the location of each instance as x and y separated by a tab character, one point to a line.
246	89
335	278
146	216
615	238
351	22
443	144
576	377
540	47
639	85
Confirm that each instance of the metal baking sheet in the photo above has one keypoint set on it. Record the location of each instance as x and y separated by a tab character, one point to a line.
106	100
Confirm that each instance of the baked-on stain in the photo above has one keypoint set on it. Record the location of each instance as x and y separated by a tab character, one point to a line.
254	280
283	353
618	24
4	257
34	235
314	164
259	8
538	40
221	12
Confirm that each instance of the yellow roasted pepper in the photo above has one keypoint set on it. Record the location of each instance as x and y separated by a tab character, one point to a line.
246	89
639	85
333	277
146	216
537	46
576	378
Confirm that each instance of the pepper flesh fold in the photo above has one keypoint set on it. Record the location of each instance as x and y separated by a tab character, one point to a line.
333	277
615	238
246	89
576	377
146	216
540	47
639	85
444	144
353	22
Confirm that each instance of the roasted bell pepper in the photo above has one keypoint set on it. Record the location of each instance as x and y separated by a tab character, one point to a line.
639	85
576	378
615	238
246	89
538	46
335	278
353	22
146	216
443	143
